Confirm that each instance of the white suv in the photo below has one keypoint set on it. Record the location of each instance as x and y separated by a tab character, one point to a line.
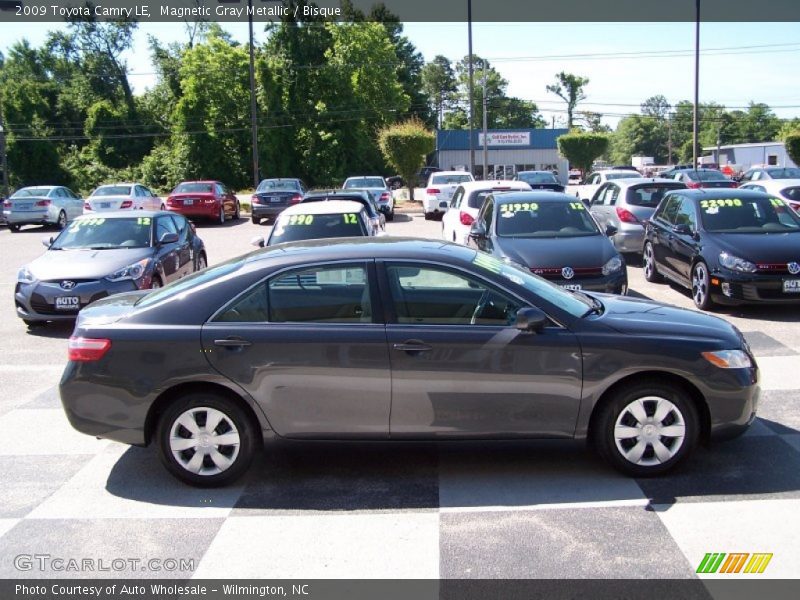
466	203
439	191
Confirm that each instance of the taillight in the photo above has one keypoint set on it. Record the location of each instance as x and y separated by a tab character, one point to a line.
170	201
466	218
87	349
795	206
296	199
433	191
733	184
7	204
385	196
693	185
254	199
626	216
43	203
126	204
87	206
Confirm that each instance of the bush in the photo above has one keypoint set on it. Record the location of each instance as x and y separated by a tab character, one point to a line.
581	149
405	145
792	142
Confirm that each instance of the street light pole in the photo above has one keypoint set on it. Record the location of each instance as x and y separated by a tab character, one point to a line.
4	160
485	127
695	115
253	114
471	90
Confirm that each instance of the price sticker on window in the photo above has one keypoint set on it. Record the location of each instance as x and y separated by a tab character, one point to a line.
713	206
300	220
512	208
350	218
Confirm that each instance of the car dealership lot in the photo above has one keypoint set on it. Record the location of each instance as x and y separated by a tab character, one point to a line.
537	509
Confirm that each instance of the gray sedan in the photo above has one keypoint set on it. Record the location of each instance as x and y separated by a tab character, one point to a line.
398	339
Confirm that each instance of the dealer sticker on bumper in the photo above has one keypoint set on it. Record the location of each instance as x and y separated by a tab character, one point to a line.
791	286
68	303
575	287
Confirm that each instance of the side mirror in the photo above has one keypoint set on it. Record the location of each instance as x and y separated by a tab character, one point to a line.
682	229
168	238
611	230
478	231
47	242
530	319
257	241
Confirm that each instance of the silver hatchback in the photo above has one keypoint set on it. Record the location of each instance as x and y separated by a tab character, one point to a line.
627	204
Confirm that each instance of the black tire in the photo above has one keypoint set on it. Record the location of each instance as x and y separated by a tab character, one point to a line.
649	267
202	263
701	286
255	220
62	220
429	216
390	216
683	413
13	228
234	421
221	216
163	207
238	212
156	282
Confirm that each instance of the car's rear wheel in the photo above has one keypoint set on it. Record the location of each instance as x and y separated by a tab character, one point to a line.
646	428
429	216
163	207
651	273
701	286
255	220
390	216
13	228
206	440
61	222
221	216
201	263
237	212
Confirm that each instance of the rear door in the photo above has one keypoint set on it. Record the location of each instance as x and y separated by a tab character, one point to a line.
460	368
305	344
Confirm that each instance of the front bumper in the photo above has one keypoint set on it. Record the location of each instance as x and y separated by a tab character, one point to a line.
615	283
36	301
731	288
733	406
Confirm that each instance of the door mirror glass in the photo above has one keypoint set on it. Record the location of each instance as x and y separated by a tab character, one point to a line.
478	230
168	238
257	241
530	319
683	229
611	230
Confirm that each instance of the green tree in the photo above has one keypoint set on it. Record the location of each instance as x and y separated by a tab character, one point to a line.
792	141
405	145
581	149
570	88
439	82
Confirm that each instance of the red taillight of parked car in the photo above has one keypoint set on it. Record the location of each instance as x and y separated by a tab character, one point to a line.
466	218
385	197
733	184
795	206
170	201
7	204
43	203
433	191
255	199
126	204
83	349
626	216
694	185
296	199
87	206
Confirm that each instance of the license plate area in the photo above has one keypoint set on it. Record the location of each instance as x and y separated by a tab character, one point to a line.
575	287
105	205
791	286
68	303
188	201
274	199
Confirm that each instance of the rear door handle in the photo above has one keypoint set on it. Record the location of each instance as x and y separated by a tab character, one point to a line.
412	346
232	342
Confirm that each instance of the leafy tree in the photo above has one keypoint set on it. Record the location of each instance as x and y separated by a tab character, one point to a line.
570	88
439	82
405	145
581	149
792	141
593	121
788	127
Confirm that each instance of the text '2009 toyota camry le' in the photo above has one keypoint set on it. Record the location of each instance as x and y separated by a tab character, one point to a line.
398	339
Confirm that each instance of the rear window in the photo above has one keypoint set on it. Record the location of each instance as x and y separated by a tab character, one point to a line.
622	175
476	199
193	188
649	195
545	219
364	182
450	179
792	193
787	173
269	185
112	190
537	178
28	192
706	176
292	228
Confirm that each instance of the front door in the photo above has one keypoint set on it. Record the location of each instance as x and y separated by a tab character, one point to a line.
460	368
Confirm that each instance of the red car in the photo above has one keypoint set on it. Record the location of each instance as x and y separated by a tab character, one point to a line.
205	200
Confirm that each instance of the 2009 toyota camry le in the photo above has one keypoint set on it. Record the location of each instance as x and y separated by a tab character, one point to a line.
398	339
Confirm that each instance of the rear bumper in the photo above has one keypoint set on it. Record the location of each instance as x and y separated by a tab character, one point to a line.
38	217
265	210
203	211
629	240
430	204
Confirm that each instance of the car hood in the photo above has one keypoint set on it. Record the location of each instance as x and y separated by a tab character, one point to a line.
575	252
760	247
634	316
84	264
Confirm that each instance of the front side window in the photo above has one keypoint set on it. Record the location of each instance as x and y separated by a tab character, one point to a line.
668	210
456	201
165	225
430	295
686	215
323	294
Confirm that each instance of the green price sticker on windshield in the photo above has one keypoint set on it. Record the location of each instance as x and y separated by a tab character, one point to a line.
577	206
516	207
720	203
143	221
350	218
776	202
301	220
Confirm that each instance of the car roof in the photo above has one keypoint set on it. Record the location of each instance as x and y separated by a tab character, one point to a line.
331	207
199	181
536	171
602	171
472	186
631	181
538	196
721	193
121	214
450	173
773	183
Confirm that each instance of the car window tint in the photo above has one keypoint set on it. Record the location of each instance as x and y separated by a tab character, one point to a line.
545	219
685	214
486	213
291	228
426	295
670	209
324	294
456	201
101	233
165	225
648	195
612	193
792	193
251	307
748	215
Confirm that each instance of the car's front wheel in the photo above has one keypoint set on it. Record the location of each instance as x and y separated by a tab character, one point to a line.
206	440
255	220
13	228
646	428
701	286
62	220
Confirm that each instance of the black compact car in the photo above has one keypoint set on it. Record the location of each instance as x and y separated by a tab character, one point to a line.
398	339
553	236
272	196
376	217
540	180
98	255
726	246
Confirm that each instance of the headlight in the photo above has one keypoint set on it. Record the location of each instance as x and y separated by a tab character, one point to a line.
734	263
25	276
728	359
134	271
612	266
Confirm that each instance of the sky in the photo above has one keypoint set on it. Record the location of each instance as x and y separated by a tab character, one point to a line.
625	62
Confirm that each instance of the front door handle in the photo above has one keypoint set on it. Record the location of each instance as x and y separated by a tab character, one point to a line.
412	346
232	342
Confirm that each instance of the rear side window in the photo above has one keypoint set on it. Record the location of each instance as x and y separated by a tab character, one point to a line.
248	308
669	209
792	193
648	195
476	199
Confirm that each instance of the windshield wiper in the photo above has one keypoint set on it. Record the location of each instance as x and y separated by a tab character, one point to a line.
595	308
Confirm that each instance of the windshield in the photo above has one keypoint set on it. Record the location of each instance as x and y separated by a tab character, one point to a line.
706	176
537	178
112	190
545	219
748	215
193	188
291	228
450	179
28	192
787	173
542	288
622	175
364	182
649	195
102	234
280	185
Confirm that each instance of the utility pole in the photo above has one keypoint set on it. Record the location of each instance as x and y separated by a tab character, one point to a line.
669	138
4	159
471	90
253	114
485	128
696	114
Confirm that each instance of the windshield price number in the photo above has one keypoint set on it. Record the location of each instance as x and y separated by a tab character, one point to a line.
577	206
350	219
68	303
518	207
721	203
301	220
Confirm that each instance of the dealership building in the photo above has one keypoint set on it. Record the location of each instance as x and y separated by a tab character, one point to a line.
508	151
744	156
